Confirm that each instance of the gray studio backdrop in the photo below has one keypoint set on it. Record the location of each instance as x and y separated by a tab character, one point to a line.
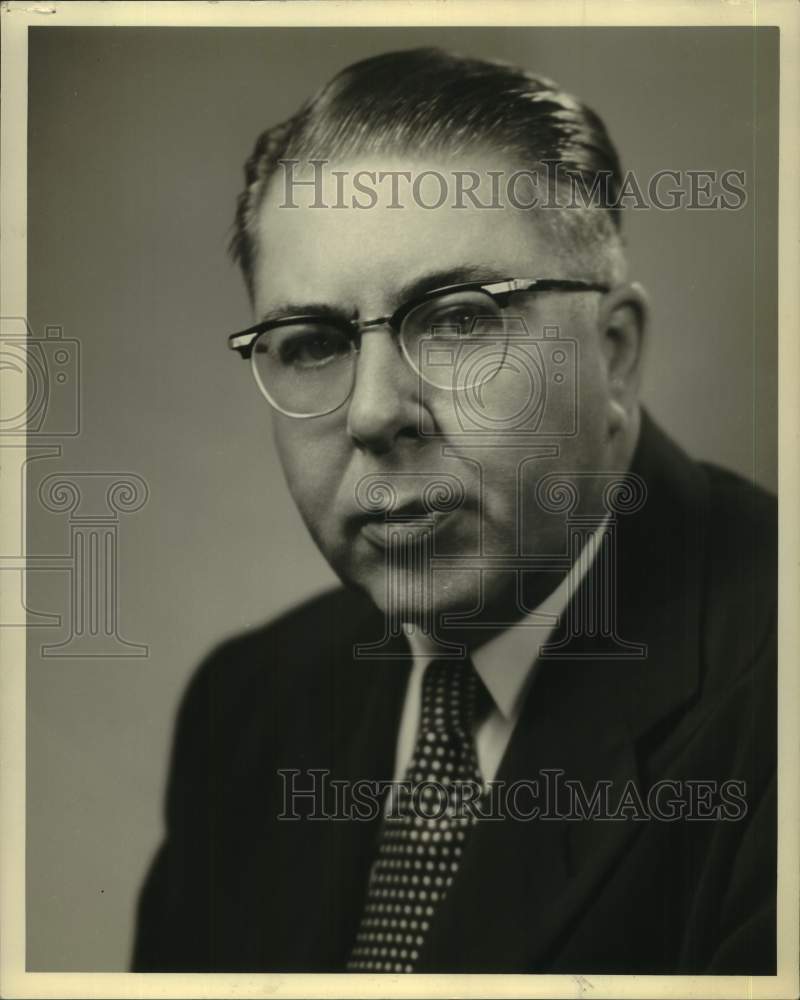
136	142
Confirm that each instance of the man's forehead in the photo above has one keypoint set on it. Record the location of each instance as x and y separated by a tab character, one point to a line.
313	240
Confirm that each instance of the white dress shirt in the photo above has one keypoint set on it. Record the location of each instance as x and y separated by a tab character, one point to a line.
506	665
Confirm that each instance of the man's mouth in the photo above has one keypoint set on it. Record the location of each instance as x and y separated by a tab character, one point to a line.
410	523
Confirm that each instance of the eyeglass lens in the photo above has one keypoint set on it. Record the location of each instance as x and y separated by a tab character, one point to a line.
454	341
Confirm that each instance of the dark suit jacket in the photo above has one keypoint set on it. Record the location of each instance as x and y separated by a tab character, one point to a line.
235	889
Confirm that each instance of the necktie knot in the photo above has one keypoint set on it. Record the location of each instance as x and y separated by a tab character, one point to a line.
449	692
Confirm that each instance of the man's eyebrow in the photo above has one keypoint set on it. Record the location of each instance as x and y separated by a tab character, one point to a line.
460	274
322	309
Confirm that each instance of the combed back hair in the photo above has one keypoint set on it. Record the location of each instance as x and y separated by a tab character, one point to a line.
428	101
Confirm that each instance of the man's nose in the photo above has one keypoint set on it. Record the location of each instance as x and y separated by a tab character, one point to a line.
385	401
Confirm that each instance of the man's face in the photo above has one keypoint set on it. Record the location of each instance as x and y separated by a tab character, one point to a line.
364	262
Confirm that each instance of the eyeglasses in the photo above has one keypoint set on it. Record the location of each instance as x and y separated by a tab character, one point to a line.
453	338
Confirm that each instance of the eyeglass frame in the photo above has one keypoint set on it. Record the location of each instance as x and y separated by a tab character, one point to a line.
499	291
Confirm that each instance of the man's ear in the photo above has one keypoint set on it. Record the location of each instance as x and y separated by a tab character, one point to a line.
622	325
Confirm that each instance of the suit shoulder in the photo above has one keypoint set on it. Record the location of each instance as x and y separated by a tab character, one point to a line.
293	644
311	622
734	495
742	571
742	526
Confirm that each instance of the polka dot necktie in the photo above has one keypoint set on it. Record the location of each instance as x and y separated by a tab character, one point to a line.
426	826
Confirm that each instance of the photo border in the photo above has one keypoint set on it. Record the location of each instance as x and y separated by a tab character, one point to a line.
17	17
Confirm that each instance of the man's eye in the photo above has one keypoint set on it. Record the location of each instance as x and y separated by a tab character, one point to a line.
459	317
312	348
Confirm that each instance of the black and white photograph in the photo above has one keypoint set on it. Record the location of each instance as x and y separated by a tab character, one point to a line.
399	438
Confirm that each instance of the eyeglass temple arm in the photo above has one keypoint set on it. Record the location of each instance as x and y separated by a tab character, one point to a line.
546	285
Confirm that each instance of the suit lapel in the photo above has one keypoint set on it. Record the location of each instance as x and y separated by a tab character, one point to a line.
527	877
522	883
366	720
308	885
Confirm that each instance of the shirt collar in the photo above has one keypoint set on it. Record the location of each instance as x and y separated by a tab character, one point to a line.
506	662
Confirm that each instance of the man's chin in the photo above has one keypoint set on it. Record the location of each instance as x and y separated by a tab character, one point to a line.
419	598
454	606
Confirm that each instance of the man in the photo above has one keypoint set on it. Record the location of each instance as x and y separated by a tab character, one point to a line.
542	594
